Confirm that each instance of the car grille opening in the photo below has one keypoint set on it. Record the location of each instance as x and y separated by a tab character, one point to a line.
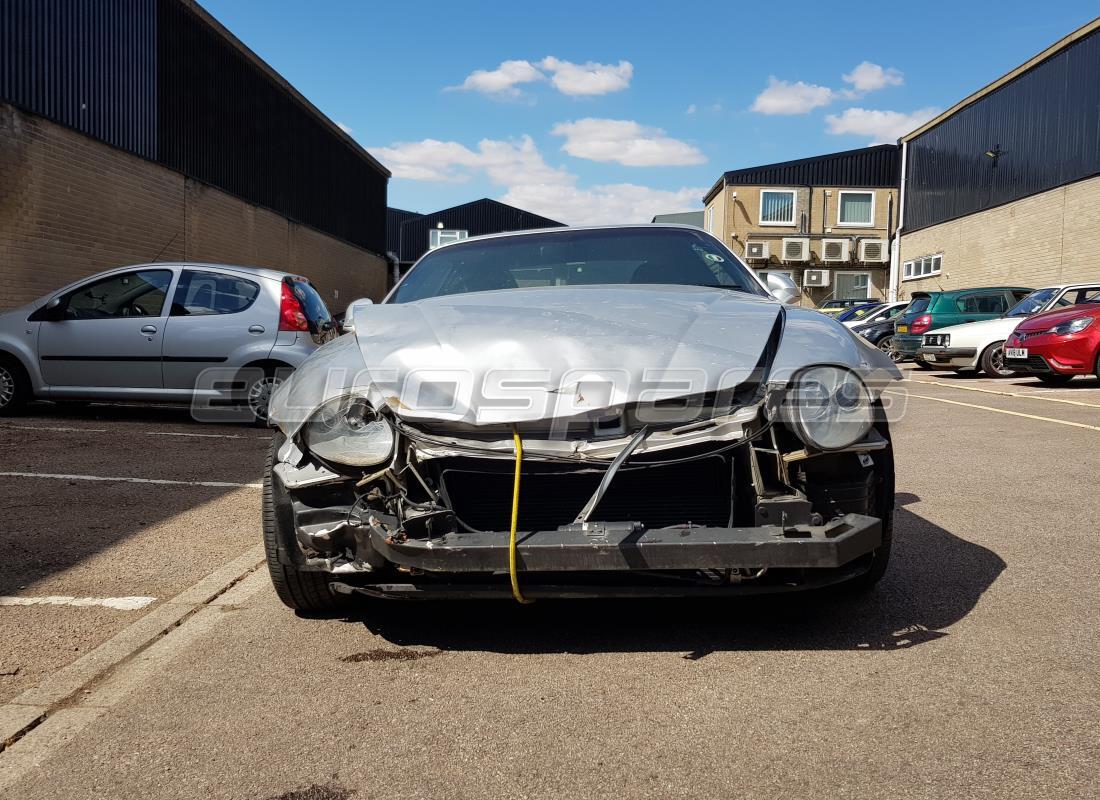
698	491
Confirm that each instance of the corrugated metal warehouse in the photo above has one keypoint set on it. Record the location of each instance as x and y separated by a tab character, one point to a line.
1004	187
134	130
415	234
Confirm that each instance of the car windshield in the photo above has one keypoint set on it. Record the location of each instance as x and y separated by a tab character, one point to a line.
917	305
1032	304
598	256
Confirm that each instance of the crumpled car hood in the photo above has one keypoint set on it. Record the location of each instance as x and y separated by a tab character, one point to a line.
565	350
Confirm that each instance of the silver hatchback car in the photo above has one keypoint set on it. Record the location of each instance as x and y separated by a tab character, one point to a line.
228	334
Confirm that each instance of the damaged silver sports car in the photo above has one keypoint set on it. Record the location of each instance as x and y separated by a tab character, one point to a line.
581	412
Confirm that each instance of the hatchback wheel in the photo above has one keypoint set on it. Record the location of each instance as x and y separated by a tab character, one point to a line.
993	361
259	394
14	387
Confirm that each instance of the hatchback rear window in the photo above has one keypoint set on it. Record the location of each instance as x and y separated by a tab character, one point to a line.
918	305
312	305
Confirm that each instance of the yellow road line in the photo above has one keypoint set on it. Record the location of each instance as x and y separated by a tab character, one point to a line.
998	410
1029	396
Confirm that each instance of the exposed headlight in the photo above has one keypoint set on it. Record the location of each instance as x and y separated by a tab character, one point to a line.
346	430
830	407
1076	326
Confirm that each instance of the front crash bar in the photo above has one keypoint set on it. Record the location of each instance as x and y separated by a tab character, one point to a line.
629	547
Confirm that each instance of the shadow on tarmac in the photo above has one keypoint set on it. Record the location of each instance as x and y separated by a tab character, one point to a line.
934	580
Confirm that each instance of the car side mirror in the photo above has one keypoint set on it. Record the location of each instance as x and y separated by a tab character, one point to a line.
52	311
348	325
783	288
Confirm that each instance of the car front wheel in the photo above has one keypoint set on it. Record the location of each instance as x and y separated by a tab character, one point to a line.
886	345
300	590
993	361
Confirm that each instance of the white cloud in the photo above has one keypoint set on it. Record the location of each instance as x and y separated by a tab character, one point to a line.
589	78
599	205
502	80
450	162
868	77
345	128
690	109
880	126
783	97
626	142
532	184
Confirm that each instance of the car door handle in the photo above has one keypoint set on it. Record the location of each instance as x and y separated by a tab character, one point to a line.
148	330
256	329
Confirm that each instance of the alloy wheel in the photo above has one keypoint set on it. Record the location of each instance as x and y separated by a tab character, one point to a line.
259	395
887	346
7	387
997	361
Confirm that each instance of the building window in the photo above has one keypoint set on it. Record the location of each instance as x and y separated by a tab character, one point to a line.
437	237
852	285
777	207
921	267
856	209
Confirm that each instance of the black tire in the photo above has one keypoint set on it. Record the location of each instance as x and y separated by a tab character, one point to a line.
1054	379
920	362
880	557
886	345
15	386
307	592
992	361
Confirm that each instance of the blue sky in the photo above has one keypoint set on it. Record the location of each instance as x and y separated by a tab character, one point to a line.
607	111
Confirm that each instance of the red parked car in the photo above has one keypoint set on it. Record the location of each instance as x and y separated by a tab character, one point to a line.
1057	345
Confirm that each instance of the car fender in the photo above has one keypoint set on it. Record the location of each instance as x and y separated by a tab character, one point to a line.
19	339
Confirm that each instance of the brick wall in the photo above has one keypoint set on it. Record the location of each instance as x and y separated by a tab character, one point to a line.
1048	238
71	206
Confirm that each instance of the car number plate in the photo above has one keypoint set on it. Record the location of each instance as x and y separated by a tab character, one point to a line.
929	358
1015	352
903	329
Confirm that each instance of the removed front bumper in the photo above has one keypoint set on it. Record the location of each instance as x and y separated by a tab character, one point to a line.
949	356
597	547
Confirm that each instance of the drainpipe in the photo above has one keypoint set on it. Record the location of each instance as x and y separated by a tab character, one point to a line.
895	244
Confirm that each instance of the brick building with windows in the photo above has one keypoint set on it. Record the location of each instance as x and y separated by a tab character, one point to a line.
826	221
142	130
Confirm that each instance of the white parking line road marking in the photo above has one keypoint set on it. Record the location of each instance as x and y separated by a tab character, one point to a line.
62	429
230	583
1028	395
998	410
117	603
160	481
51	429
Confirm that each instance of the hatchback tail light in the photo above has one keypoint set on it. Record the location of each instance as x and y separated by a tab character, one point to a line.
291	317
921	324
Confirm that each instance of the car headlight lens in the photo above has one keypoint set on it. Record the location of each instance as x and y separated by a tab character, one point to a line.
1074	326
831	407
346	430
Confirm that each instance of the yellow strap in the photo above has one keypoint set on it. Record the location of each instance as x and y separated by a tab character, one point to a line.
516	593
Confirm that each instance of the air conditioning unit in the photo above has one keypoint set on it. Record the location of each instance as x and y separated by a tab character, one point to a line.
873	251
757	251
834	250
796	249
817	278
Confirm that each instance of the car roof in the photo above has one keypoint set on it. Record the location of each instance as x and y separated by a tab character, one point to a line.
947	292
262	272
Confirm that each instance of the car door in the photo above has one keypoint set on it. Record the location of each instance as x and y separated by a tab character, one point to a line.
107	333
216	315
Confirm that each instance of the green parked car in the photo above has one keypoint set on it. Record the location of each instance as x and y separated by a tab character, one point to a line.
930	310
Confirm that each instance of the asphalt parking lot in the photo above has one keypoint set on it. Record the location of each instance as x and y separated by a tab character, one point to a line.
144	655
